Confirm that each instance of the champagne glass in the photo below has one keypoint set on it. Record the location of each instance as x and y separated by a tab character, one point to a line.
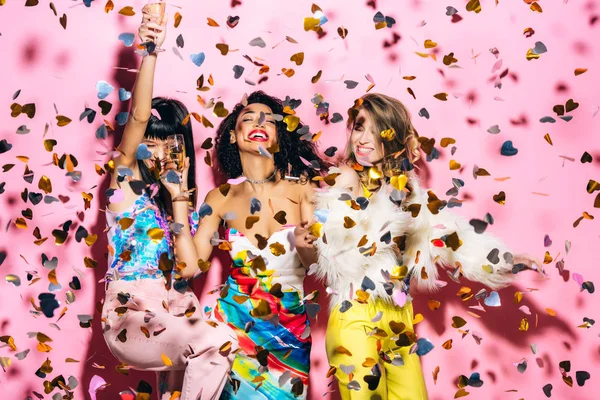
176	150
157	9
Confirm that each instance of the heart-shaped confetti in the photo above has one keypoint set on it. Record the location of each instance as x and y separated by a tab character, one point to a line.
104	89
122	118
124	95
258	42
127	39
142	152
508	149
581	377
493	300
540	48
198	58
424	346
232	21
4	146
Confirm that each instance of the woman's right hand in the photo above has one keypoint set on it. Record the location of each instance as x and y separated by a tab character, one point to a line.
151	30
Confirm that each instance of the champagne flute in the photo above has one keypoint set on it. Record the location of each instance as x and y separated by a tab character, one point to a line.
176	150
157	9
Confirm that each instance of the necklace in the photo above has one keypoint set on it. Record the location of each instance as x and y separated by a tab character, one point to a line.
267	179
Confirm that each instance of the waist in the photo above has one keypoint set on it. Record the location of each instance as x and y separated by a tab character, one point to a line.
246	280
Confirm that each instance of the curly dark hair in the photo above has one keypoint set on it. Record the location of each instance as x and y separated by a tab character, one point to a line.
291	147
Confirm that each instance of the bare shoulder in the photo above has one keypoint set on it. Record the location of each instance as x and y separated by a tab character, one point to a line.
215	199
348	178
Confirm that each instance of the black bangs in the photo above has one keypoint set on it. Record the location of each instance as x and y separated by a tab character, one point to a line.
172	113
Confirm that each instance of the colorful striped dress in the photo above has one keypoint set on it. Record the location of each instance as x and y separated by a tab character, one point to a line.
263	302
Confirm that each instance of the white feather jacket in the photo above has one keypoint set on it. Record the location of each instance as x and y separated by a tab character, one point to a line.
343	267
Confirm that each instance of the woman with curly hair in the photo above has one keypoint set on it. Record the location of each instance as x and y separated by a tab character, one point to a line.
380	232
266	218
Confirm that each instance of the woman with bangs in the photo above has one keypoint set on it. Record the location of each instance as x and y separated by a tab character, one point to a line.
151	319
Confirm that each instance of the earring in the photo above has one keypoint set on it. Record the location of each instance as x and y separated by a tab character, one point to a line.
231	137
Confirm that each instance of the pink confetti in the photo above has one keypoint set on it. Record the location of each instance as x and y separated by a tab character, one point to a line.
96	383
578	278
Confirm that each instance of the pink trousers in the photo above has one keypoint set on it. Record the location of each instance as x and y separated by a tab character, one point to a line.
151	328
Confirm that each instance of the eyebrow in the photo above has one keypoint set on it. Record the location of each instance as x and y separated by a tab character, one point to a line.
253	112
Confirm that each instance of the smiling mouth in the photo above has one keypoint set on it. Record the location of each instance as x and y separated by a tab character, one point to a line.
258	135
363	151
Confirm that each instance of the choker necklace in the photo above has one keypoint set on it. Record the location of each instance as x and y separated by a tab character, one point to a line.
267	179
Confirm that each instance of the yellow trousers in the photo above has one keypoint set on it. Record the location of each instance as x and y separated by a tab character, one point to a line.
353	347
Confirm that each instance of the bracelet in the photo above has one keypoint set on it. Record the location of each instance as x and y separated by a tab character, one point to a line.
183	196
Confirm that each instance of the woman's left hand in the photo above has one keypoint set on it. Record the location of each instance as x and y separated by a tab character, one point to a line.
176	189
304	239
529	262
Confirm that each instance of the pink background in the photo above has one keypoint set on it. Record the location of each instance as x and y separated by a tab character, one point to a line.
59	68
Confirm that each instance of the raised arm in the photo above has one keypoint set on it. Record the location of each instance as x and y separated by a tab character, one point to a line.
195	251
141	103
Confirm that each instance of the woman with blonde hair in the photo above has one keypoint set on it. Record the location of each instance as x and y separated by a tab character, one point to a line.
379	233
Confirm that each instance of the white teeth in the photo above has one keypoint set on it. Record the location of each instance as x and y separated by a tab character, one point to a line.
364	150
258	135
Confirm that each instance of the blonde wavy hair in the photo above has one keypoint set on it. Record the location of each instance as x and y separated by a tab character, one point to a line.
386	113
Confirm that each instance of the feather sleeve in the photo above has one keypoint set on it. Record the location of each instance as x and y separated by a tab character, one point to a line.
357	242
438	236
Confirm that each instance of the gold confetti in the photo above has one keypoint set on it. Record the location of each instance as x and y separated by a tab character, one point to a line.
277	249
127	11
388	134
454	165
535	7
291	122
399	182
109	6
433	304
435	373
212	22
223	48
62	120
449	59
166	360
524	325
441	96
220	110
474	6
343	350
447	344
316	78
349	222
125	222
288	72
579	71
156	234
418	318
45	184
298	58
429	44
49	144
458	322
89	262
551	312
548	139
